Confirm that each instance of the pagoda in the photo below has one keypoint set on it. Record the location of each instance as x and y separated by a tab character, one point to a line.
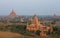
21	20
55	16
36	25
12	14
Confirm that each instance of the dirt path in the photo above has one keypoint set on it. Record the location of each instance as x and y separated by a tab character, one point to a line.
4	34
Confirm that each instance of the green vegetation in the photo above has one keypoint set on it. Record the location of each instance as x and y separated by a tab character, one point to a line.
38	32
21	29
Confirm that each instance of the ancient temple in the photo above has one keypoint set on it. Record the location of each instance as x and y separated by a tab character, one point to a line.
55	16
12	14
21	20
35	25
30	19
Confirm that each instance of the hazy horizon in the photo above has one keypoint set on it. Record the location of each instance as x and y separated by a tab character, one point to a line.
30	7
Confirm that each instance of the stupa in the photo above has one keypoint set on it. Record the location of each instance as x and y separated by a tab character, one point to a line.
12	14
36	25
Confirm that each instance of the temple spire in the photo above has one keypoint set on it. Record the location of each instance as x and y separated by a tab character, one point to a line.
12	14
35	21
55	16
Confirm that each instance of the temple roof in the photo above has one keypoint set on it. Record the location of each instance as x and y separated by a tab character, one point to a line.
12	14
35	20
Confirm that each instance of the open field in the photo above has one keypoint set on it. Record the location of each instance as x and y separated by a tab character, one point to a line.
4	34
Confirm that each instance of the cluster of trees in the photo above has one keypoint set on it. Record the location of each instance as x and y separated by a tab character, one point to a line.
22	30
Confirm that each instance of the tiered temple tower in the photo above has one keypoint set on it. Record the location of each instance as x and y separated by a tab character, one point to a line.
55	16
35	25
12	14
21	20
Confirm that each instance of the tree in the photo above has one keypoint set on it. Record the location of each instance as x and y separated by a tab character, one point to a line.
53	22
38	32
55	28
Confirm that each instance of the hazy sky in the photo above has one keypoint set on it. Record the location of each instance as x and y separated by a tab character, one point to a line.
30	7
